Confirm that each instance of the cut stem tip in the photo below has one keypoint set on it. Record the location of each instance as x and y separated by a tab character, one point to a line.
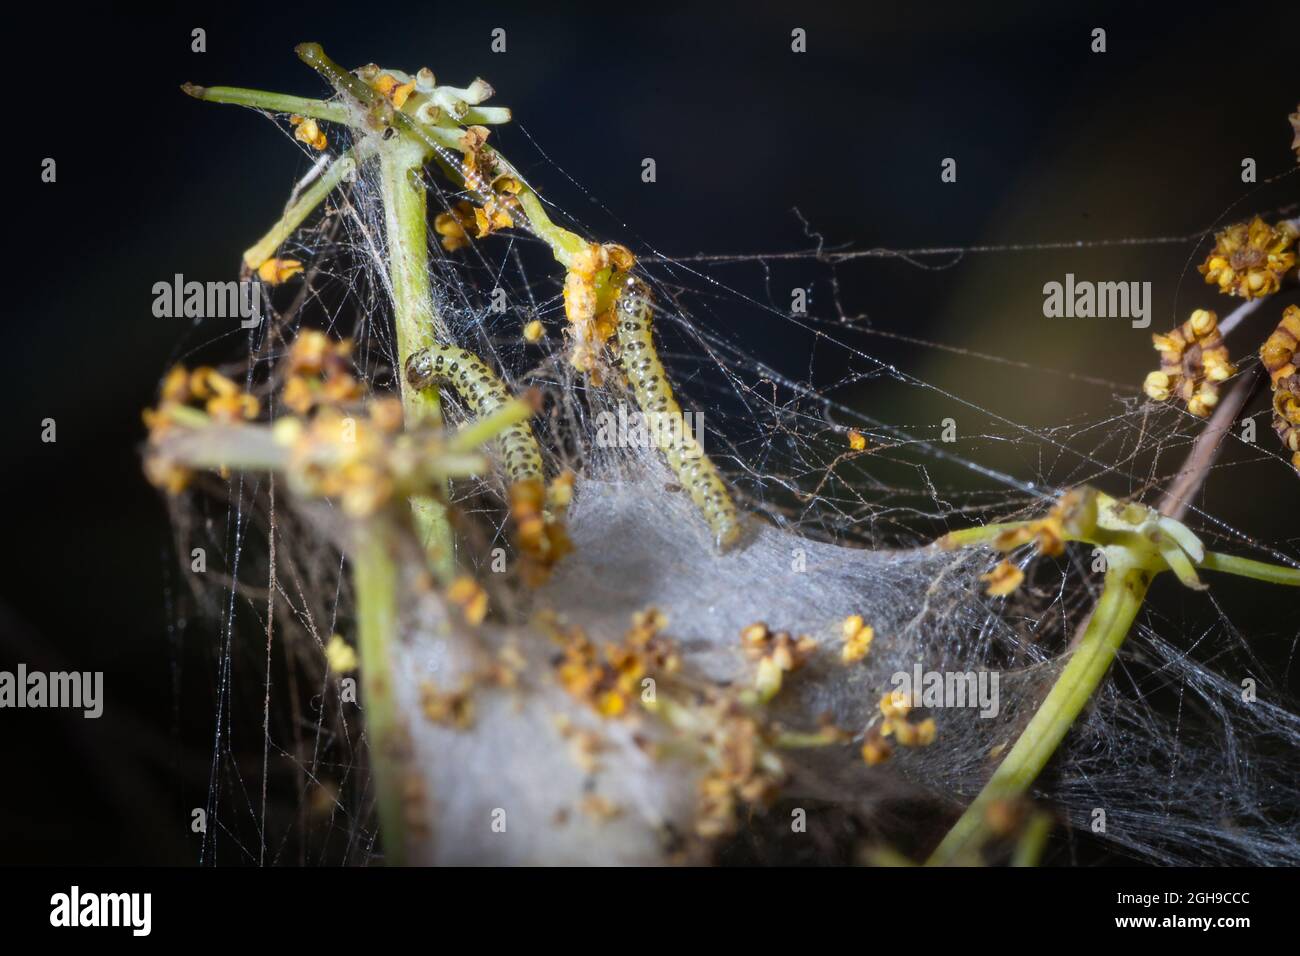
310	53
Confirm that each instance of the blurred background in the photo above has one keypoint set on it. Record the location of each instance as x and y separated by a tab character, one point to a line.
1053	143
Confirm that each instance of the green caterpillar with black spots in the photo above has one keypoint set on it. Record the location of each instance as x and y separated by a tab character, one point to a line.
479	386
634	311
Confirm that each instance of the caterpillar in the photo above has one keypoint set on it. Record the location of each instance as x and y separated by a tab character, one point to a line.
645	374
479	385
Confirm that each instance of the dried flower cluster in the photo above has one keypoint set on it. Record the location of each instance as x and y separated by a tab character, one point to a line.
334	446
777	654
589	302
858	636
608	682
743	768
1279	357
318	371
537	513
1193	361
221	400
895	710
1249	259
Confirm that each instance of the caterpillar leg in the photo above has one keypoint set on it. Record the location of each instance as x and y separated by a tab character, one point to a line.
479	386
645	373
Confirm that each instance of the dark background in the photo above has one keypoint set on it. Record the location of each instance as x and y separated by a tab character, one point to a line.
1052	141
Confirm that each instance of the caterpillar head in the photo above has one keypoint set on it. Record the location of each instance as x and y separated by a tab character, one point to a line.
419	369
632	293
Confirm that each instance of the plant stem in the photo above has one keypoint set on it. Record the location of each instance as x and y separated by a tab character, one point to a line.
979	534
1122	593
1029	848
1246	568
405	213
1178	498
275	102
342	80
564	244
483	430
202	443
374	575
293	216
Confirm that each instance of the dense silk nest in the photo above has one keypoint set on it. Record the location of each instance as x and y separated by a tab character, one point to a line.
578	787
650	696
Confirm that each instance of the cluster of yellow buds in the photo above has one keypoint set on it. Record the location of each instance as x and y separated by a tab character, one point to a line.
455	708
1004	579
858	636
608	682
534	330
1193	361
333	448
319	372
204	387
508	664
278	271
388	86
420	96
454	225
895	708
777	653
589	302
307	130
1075	510
337	455
451	708
464	220
220	397
340	655
1249	259
470	597
1046	534
743	771
498	190
537	514
1279	356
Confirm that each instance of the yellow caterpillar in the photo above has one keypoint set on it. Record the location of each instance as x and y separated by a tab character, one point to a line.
478	385
645	373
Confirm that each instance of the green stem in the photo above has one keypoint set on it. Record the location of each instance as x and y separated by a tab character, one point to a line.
275	102
1246	568
293	217
979	534
1122	593
374	574
485	429
1030	846
405	214
203	443
564	244
345	82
